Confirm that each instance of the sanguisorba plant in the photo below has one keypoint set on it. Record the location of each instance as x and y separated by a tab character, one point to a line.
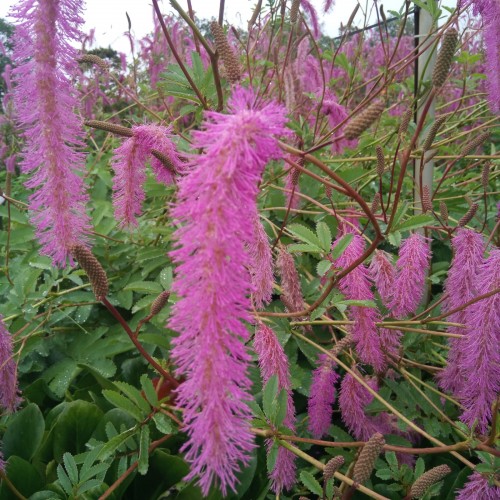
319	219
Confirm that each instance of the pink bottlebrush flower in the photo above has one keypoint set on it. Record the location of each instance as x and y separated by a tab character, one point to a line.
313	16
327	5
216	206
460	287
412	268
45	102
322	396
353	399
9	393
261	268
478	488
273	361
290	281
129	164
391	341
382	272
481	359
356	285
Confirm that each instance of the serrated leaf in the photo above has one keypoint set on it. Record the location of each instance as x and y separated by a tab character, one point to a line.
149	390
88	485
114	443
95	470
323	267
392	460
124	403
311	483
324	235
64	480
303	247
341	245
163	423
304	234
359	303
419	468
394	238
281	408
71	468
144	442
414	222
135	395
144	287
257	410
272	455
269	395
384	474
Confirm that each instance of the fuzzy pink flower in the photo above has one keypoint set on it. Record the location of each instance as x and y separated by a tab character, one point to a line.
45	102
9	398
412	268
216	206
273	361
129	165
460	287
478	488
261	268
356	285
481	359
322	396
290	281
382	272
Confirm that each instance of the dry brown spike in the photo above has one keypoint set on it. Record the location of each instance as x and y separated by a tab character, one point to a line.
93	59
332	466
375	203
468	215
427	479
294	11
93	269
380	160
367	457
473	144
445	58
405	121
109	127
231	63
443	209
485	175
159	303
431	135
426	200
362	121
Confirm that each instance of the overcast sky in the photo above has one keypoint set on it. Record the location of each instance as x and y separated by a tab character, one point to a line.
110	22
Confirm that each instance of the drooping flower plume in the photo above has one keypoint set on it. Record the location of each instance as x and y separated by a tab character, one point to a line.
273	361
129	165
478	488
356	285
9	393
460	287
290	281
412	268
216	208
382	272
481	359
322	396
45	103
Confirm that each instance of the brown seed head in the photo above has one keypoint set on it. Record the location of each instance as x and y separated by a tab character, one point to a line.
294	11
468	215
473	144
431	135
426	200
375	203
380	160
93	59
427	479
405	121
362	121
443	209
485	175
159	303
93	269
366	460
328	191
226	53
332	466
109	127
445	57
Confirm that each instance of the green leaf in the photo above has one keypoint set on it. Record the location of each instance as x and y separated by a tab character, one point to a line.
323	267
359	303
324	235
64	480
392	460
302	247
135	395
23	476
95	470
144	442
269	395
163	423
394	238
149	390
144	287
89	485
124	403
71	468
341	245
304	234
281	409
311	483
272	455
24	433
414	222
257	410
419	468
114	443
384	474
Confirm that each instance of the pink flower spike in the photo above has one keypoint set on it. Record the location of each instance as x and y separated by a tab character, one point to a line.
478	488
321	397
273	361
481	360
382	272
45	102
290	281
216	207
9	392
261	268
412	268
